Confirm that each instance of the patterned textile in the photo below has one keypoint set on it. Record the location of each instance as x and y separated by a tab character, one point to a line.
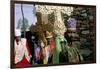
72	23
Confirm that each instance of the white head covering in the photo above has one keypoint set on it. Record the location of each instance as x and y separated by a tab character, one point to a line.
17	32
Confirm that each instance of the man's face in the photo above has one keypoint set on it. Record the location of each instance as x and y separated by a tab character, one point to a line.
18	38
72	34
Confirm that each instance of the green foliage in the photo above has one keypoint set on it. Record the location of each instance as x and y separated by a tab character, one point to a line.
23	24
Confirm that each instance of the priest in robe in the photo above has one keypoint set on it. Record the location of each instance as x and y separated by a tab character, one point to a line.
21	50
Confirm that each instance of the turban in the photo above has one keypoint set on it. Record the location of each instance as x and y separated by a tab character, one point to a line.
71	24
17	32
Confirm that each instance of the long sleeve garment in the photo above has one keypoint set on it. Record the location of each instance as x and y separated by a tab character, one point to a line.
58	48
22	53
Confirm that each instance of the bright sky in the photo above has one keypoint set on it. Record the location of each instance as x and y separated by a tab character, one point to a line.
29	13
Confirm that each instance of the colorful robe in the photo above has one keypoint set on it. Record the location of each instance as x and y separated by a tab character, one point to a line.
58	48
74	55
22	53
62	52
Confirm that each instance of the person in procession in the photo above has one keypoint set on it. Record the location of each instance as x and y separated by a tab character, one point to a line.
21	52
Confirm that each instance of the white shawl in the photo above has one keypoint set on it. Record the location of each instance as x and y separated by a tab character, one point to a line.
21	50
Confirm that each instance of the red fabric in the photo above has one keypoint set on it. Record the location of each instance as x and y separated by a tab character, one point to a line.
27	48
23	62
52	44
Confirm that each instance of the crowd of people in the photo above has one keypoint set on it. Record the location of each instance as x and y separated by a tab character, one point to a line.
58	49
47	47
